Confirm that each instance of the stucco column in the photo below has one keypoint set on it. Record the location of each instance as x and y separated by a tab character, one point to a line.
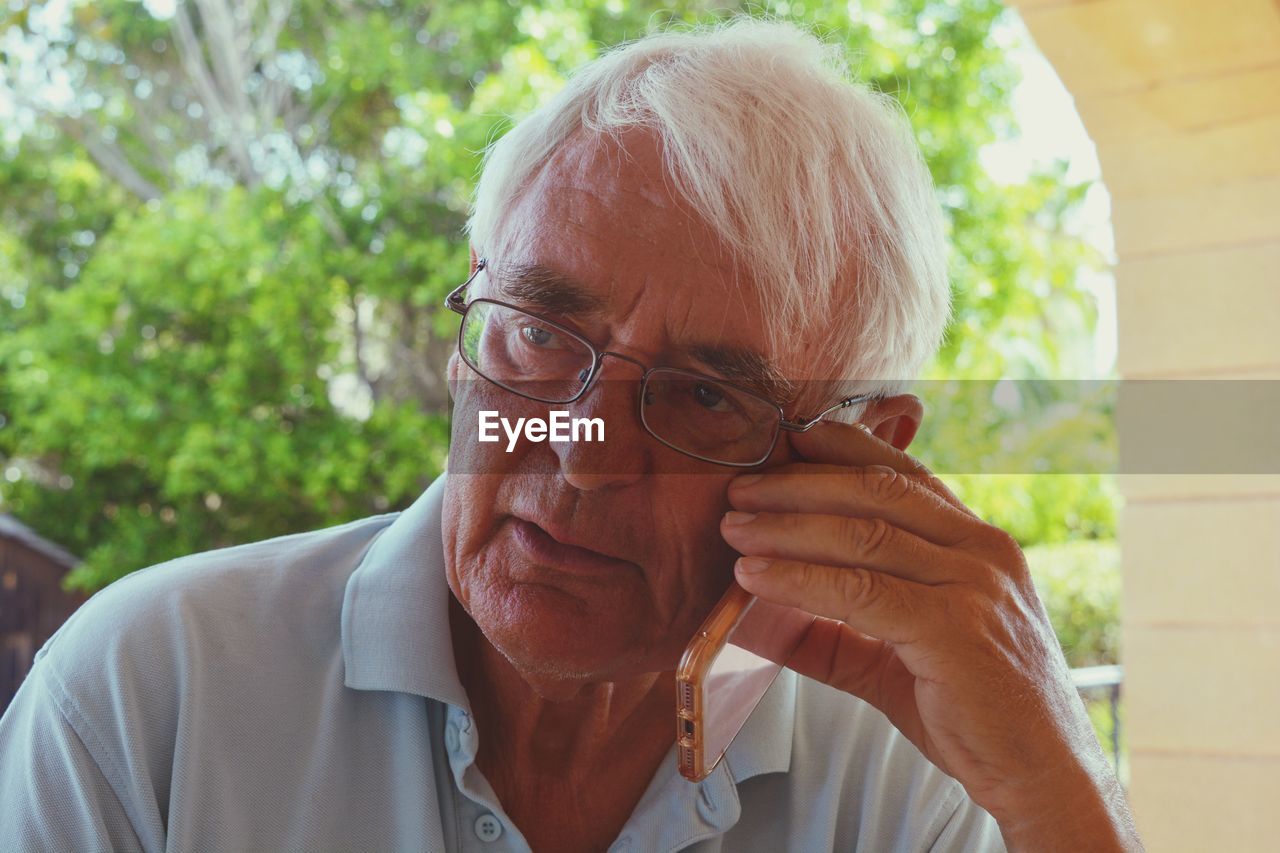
1182	98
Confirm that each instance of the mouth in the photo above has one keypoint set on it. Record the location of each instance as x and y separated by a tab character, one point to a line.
547	550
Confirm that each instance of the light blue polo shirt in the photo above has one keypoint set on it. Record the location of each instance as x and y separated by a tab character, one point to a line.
301	694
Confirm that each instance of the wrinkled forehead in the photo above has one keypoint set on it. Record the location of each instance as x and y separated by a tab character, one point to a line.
593	174
605	212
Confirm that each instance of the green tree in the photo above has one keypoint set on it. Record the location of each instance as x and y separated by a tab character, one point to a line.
227	229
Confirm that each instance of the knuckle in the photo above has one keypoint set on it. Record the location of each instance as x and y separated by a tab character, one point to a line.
1001	563
885	484
1004	546
858	589
877	535
850	531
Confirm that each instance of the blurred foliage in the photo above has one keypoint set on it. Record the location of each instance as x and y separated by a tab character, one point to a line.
226	231
1079	583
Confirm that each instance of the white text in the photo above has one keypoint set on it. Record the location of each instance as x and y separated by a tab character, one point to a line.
560	428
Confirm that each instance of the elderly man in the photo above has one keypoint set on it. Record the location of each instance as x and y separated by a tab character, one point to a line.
713	244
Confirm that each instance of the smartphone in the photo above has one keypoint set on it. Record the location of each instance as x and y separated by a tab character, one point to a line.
726	670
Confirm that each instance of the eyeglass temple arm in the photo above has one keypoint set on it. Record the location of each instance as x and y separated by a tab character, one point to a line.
454	300
806	424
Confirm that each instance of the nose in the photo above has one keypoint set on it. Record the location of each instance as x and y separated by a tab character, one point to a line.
624	455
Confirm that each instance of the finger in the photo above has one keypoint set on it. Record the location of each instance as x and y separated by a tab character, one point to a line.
873	603
870	669
836	443
771	630
835	654
842	540
842	490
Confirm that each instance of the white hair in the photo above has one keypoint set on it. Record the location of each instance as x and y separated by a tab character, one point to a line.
813	181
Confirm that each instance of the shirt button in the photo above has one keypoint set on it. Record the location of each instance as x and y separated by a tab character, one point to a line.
488	828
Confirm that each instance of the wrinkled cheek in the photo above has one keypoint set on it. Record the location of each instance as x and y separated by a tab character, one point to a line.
710	586
476	572
469	581
469	522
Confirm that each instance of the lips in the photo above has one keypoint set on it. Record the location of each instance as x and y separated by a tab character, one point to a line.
547	550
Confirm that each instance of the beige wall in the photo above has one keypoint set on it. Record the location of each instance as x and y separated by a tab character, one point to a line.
1183	99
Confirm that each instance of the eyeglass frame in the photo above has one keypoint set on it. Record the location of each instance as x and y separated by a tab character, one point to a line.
456	303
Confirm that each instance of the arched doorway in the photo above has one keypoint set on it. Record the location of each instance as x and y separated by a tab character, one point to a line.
1183	101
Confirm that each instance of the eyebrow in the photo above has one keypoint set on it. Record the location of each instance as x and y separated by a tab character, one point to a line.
746	367
547	290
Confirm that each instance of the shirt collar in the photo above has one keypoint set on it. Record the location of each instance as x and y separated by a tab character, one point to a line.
396	637
674	812
395	612
764	744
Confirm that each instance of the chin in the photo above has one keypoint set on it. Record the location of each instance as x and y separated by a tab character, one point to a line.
557	640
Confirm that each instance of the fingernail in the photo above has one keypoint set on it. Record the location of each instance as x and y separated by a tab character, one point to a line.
752	565
747	480
733	519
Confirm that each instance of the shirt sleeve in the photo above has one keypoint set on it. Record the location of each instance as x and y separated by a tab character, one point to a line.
53	794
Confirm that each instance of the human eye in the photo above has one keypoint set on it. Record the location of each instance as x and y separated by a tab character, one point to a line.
540	337
711	397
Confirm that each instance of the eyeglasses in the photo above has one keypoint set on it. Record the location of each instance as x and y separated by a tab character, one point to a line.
697	415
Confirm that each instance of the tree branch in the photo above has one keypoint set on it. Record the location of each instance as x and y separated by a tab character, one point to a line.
112	161
228	41
192	57
362	371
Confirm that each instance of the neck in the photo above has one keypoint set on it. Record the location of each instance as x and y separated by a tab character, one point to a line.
578	732
568	760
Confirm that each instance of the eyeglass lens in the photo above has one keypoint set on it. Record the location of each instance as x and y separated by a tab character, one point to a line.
689	412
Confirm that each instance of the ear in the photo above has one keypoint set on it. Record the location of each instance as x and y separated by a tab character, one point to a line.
895	419
475	262
453	371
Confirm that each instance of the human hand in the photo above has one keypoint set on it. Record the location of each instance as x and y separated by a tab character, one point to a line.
930	616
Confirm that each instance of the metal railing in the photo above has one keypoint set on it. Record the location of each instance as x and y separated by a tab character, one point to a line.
1091	679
